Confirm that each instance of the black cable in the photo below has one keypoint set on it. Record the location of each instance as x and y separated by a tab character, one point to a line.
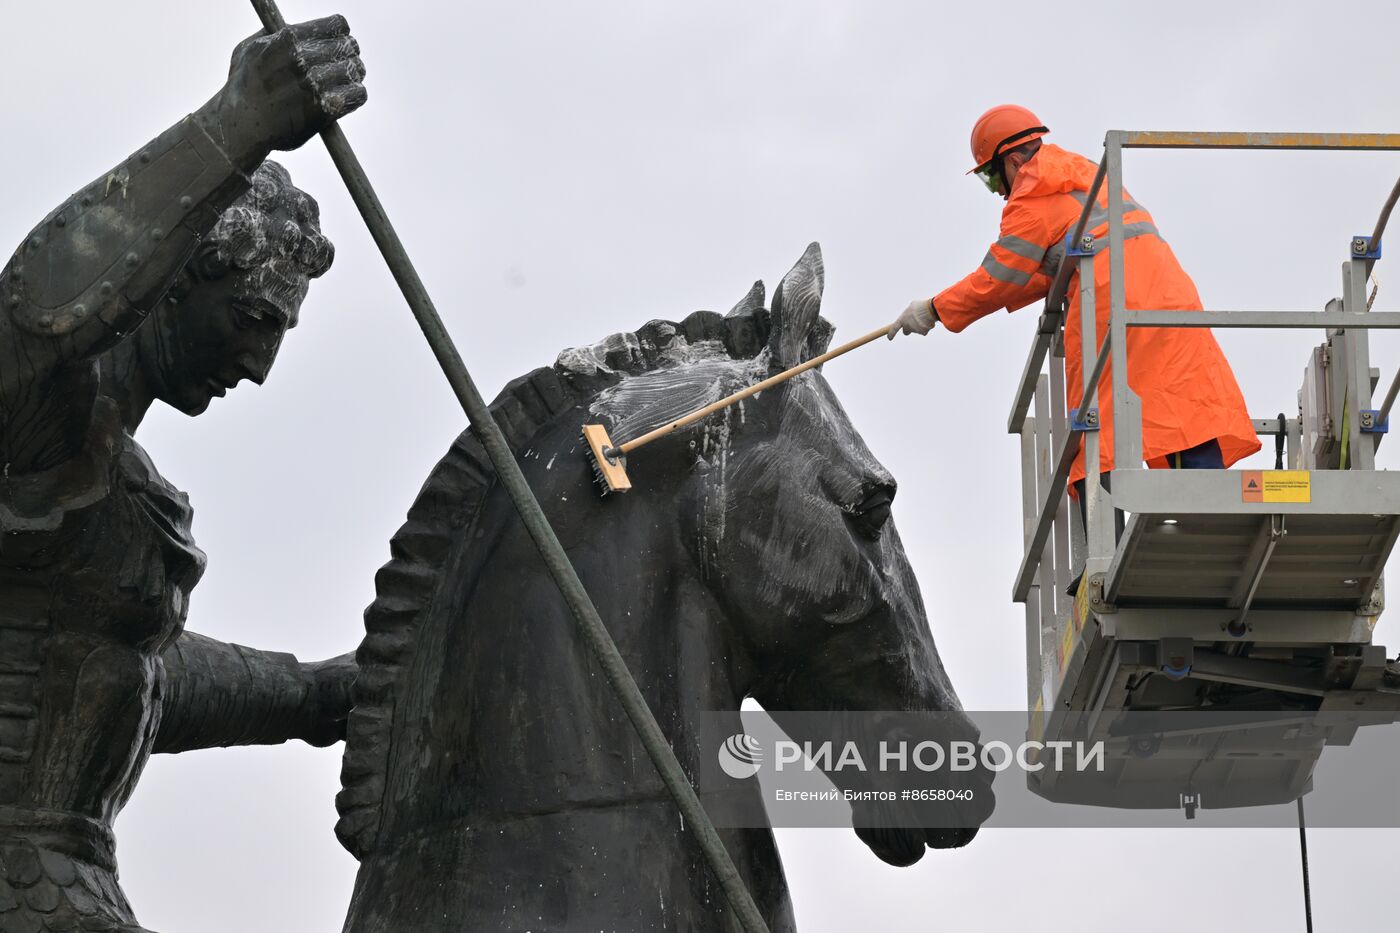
1303	844
1279	438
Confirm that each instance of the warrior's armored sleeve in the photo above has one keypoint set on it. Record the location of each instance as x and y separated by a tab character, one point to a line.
90	272
218	694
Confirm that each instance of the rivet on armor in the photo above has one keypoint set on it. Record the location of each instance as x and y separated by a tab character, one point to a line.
157	234
132	259
145	158
79	310
35	242
60	221
105	288
46	320
187	202
15	301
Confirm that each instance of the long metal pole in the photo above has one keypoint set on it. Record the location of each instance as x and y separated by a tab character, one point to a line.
565	578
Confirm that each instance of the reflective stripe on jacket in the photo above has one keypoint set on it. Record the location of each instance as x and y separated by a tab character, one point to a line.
1189	394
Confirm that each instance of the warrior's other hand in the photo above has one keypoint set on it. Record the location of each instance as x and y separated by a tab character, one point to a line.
328	701
287	86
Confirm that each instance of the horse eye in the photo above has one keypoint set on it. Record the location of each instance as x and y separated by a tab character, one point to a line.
870	514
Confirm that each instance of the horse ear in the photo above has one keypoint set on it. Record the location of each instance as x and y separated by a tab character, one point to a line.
747	325
797	302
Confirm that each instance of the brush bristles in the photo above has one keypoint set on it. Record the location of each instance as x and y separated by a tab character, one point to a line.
598	474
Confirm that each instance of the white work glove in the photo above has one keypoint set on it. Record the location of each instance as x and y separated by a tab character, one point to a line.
918	318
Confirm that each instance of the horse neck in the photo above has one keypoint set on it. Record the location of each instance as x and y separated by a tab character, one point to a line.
665	620
510	651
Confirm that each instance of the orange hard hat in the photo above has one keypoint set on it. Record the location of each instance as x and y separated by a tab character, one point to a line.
1003	127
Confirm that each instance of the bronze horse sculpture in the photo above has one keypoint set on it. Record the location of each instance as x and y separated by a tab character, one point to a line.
489	782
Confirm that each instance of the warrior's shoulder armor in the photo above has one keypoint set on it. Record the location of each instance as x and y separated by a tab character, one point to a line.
110	251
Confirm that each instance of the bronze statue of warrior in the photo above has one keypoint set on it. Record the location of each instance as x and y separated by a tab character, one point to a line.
171	277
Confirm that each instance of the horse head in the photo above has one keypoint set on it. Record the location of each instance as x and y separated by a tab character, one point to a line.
787	515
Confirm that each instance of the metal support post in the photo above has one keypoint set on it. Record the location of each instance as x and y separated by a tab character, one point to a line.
1045	463
1361	442
1098	505
1059	534
1029	504
1052	319
1127	410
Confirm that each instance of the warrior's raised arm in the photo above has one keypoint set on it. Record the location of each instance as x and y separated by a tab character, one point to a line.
92	270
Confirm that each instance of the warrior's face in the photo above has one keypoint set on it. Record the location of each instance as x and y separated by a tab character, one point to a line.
239	293
221	332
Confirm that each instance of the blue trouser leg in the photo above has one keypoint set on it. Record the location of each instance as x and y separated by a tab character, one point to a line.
1205	456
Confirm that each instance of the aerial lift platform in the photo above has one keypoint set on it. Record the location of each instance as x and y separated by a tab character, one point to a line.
1220	611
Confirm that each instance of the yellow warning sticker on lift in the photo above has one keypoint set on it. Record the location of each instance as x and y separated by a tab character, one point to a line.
1276	486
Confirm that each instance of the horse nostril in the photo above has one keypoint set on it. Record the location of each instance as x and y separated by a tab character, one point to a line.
871	513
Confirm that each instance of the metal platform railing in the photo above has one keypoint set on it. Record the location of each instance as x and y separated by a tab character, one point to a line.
1056	541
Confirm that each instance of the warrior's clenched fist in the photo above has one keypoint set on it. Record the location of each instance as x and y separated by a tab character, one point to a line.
285	87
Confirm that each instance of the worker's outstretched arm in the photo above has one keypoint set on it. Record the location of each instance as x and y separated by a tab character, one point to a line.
1013	274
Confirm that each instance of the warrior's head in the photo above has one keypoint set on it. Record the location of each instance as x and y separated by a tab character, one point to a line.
224	318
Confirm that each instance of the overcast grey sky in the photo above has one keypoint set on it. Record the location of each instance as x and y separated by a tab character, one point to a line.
561	171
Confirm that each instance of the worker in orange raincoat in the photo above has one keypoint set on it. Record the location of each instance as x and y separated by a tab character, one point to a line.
1193	415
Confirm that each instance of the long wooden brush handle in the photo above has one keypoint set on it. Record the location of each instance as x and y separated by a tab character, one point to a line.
742	394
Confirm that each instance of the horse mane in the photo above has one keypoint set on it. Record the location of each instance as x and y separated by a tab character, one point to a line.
452	496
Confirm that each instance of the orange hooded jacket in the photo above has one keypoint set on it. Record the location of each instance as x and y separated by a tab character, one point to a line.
1189	394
